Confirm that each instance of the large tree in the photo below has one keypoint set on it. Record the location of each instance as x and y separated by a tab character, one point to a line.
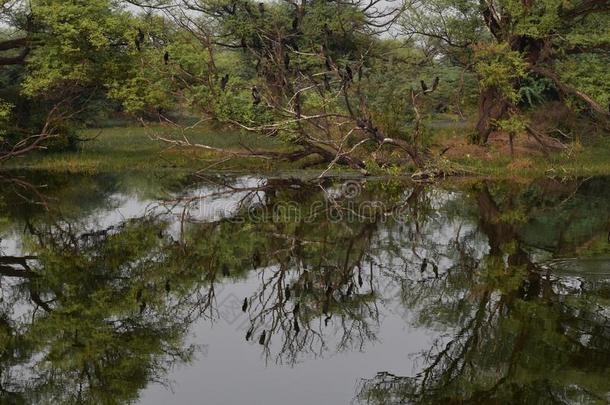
304	73
512	43
59	58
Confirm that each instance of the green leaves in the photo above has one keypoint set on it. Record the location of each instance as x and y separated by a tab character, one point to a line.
82	44
499	67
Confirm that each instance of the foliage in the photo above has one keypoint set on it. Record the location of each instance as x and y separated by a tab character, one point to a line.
499	67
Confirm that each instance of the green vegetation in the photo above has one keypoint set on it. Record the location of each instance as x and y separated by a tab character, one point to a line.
319	81
117	149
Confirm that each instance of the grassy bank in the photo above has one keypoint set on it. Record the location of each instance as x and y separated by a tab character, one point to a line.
135	148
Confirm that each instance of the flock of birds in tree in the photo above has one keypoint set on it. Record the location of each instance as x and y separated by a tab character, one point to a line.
346	74
139	41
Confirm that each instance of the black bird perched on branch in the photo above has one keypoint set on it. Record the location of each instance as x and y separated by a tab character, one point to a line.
287	293
244	307
295	23
325	307
424	87
435	84
348	71
224	81
297	105
166	57
327	61
261	339
256	95
327	31
350	289
326	83
424	265
261	8
139	39
287	61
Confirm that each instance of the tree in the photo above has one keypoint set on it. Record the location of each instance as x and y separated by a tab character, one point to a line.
64	57
510	42
303	75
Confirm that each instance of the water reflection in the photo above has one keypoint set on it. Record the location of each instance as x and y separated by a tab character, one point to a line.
104	278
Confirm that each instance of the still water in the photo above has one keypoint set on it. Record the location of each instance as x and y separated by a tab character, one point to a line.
172	288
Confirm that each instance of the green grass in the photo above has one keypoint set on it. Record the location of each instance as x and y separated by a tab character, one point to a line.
135	148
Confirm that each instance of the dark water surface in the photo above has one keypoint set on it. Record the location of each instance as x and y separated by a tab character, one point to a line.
180	289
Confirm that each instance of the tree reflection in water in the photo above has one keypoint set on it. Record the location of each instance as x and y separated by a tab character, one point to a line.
93	314
518	332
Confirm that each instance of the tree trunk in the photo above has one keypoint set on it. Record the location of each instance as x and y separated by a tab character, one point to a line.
493	106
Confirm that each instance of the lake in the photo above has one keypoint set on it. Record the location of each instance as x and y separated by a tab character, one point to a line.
168	287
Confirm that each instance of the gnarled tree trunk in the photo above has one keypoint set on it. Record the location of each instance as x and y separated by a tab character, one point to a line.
493	106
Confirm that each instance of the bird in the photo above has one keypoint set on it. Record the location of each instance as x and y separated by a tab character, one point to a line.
435	84
424	265
296	308
287	61
350	289
261	8
326	82
261	339
435	270
296	326
139	39
348	71
224	81
256	96
168	288
295	23
328	62
249	333
423	86
244	306
297	105
225	270
287	293
142	306
166	57
327	31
